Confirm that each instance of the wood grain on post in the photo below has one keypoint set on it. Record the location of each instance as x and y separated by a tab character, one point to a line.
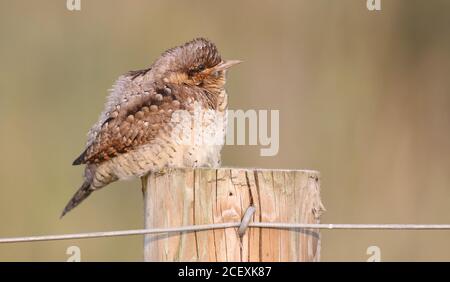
181	197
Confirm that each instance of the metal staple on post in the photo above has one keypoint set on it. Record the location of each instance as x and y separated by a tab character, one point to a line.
246	220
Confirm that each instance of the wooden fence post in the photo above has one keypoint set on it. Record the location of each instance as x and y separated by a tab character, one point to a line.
181	197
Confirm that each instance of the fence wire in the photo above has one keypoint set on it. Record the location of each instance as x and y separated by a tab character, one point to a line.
203	227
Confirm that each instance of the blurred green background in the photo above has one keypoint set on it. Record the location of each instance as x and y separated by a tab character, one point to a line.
364	97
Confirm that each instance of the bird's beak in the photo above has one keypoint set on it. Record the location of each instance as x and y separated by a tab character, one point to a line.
226	64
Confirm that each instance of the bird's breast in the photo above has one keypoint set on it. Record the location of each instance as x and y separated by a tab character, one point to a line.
192	138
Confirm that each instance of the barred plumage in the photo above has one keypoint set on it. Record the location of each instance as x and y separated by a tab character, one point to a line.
135	132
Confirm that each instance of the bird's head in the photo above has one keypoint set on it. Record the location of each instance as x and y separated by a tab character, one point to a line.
196	63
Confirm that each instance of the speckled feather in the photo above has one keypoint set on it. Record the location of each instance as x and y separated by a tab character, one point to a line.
133	134
139	101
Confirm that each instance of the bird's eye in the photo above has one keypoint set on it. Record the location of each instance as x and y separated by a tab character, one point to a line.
196	69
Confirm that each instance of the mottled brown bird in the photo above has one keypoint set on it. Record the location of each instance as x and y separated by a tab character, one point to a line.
141	129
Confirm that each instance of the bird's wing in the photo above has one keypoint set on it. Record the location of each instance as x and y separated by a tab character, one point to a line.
130	124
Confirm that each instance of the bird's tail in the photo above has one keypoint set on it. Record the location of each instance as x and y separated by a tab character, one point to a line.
82	193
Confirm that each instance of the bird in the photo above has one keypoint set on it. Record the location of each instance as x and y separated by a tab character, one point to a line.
140	130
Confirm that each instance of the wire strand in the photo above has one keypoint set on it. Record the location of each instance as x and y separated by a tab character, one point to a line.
192	228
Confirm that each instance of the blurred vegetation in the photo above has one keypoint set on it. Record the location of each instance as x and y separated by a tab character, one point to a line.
364	97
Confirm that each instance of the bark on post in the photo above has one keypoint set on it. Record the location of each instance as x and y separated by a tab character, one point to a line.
180	197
